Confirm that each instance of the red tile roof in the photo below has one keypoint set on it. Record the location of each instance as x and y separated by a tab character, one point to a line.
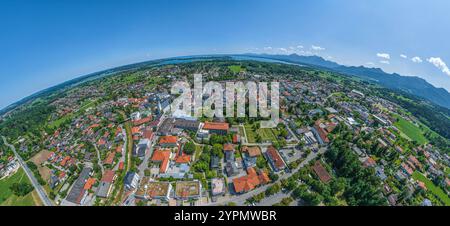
108	176
119	149
422	185
228	147
142	121
102	141
322	133
50	155
275	156
248	182
183	159
65	160
89	183
148	134
252	151
119	130
407	168
235	138
94	126
110	158
161	156
264	178
135	130
121	165
168	140
216	126
369	162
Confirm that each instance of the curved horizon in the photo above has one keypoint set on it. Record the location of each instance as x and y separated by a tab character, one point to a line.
187	57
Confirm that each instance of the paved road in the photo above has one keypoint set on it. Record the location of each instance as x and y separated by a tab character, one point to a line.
99	161
37	186
240	199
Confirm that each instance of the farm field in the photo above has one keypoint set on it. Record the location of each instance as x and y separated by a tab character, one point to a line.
7	198
38	159
432	188
410	130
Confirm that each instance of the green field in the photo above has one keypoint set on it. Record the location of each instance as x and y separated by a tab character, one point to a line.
198	151
7	198
410	130
432	188
235	68
265	133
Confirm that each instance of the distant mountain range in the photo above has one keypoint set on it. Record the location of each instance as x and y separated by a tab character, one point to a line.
409	84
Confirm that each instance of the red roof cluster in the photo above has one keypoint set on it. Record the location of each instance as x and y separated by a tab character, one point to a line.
142	121
250	181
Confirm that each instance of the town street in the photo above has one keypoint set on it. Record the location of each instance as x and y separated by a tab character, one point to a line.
37	186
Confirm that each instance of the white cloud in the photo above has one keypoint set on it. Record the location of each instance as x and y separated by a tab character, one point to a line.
267	48
282	49
299	47
416	59
439	63
370	64
317	48
384	55
403	56
384	61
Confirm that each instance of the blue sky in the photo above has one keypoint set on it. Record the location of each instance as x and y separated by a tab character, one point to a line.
44	43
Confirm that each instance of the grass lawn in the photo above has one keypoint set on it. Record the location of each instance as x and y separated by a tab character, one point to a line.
251	135
265	133
432	188
410	130
447	170
198	151
7	198
235	68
